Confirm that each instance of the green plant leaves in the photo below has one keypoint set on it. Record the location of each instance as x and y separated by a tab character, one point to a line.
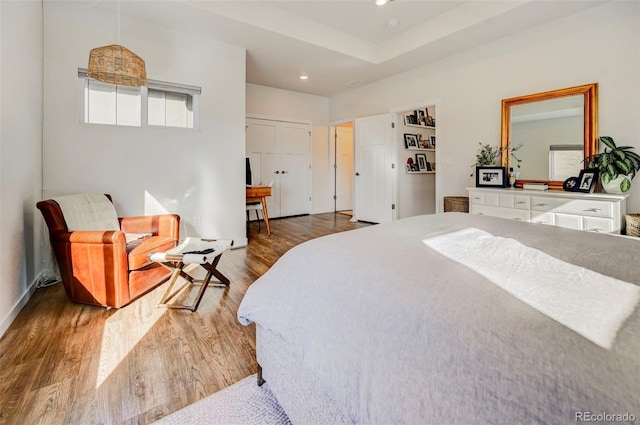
625	185
608	141
615	161
623	166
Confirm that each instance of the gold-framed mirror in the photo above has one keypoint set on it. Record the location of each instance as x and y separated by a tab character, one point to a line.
554	130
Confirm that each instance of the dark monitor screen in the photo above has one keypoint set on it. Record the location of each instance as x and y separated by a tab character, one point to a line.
248	167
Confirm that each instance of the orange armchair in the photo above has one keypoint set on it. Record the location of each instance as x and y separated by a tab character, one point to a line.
99	267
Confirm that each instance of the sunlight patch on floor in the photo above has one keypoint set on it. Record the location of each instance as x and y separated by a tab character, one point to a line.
122	333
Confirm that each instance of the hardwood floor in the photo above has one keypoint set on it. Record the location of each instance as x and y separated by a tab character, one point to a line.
66	363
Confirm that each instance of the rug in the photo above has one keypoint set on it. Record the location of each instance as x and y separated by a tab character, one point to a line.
243	403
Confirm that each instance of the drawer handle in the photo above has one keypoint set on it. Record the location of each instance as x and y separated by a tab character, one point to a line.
541	205
476	197
520	202
592	210
517	218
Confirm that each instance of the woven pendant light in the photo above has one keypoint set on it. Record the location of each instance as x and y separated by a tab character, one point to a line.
116	64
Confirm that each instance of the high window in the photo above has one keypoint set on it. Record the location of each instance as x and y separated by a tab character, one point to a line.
158	104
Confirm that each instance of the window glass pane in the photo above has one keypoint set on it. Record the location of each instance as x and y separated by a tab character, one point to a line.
123	105
155	112
177	109
128	106
101	103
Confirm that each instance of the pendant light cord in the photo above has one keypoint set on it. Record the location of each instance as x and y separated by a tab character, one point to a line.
118	21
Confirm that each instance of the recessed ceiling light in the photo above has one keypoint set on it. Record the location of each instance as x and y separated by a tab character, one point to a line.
381	2
304	77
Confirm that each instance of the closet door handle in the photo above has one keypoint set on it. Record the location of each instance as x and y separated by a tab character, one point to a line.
357	174
276	172
284	172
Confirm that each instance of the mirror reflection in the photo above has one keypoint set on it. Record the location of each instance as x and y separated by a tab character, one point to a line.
554	131
550	134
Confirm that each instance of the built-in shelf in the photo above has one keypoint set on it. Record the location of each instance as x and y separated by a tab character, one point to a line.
420	149
420	126
420	172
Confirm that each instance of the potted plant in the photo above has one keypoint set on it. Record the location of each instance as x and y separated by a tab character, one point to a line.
488	156
617	166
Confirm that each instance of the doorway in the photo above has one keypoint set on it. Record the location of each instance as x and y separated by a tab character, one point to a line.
343	148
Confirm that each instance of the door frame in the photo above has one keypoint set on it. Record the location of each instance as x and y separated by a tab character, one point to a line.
331	171
333	156
398	138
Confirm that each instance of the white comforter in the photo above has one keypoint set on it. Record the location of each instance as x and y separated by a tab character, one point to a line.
397	333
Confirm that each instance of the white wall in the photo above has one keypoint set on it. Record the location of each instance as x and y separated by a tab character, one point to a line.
600	45
285	104
20	154
197	174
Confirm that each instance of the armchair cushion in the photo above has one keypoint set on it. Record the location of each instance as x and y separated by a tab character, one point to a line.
139	256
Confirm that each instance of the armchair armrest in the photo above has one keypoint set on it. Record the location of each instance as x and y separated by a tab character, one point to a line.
90	237
158	225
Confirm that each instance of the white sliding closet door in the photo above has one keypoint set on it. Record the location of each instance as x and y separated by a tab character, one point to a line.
280	153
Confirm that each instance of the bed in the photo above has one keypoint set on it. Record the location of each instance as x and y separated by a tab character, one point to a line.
381	325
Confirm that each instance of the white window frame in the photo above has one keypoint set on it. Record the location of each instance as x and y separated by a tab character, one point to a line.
194	91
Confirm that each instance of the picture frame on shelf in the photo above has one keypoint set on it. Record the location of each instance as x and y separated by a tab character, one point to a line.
422	143
410	141
491	177
410	118
431	120
421	160
429	167
408	168
587	181
421	117
414	167
433	142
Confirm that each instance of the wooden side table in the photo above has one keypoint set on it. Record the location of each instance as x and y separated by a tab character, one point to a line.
259	194
206	253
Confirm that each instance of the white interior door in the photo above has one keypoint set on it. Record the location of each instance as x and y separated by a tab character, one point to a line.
373	169
262	150
344	168
295	145
280	153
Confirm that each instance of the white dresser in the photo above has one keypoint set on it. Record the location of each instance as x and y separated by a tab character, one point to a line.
593	212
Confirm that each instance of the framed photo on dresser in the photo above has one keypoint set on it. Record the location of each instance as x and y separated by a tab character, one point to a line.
491	177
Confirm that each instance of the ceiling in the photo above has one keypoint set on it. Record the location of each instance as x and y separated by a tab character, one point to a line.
341	45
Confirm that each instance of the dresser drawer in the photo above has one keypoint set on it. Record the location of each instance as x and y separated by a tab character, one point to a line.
510	213
485	198
569	221
585	207
522	202
543	218
476	198
599	225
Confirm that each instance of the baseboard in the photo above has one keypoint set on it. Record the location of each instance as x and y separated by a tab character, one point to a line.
240	243
20	304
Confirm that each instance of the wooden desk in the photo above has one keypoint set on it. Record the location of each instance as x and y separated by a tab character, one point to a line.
259	194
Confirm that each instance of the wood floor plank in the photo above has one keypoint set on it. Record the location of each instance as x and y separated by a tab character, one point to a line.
66	363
